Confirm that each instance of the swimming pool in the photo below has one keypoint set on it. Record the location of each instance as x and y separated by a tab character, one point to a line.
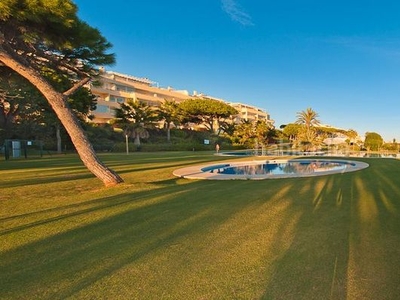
268	169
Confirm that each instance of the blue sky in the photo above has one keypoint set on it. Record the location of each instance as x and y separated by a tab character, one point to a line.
341	58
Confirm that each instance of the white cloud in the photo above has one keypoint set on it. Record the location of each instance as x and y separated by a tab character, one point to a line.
235	11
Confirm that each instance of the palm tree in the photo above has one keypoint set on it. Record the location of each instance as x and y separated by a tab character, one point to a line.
263	131
308	119
168	112
244	134
252	134
133	117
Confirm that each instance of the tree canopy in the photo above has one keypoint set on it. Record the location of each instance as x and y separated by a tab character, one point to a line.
53	32
207	111
36	36
291	130
373	141
253	134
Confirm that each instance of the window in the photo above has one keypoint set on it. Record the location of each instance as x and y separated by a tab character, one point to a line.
124	88
117	99
103	109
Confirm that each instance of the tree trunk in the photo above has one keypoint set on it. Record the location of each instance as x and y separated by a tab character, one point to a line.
136	142
68	119
58	136
168	132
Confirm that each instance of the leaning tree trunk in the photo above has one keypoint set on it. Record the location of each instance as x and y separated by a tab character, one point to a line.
60	106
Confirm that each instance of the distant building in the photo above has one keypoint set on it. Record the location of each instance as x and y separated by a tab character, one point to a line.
118	88
251	113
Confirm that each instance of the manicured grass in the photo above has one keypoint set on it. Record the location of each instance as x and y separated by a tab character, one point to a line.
64	236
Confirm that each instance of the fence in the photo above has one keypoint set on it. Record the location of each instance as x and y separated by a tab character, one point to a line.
13	149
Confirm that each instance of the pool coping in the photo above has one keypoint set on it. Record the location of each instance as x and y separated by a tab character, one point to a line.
195	172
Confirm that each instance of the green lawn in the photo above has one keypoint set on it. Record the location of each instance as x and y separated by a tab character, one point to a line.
65	236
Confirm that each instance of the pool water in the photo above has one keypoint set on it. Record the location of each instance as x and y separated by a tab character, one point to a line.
289	167
270	169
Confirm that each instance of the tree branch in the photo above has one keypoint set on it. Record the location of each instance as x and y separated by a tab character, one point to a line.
76	86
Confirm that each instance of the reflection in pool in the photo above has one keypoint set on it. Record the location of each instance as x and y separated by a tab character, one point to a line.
289	167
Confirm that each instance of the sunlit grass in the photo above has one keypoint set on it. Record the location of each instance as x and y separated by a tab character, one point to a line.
63	235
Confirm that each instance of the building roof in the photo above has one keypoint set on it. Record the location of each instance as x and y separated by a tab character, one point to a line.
134	78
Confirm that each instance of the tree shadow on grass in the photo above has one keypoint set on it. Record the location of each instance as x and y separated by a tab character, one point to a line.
342	247
314	265
310	238
126	228
69	170
61	212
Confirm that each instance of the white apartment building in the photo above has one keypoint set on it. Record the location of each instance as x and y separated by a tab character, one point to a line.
118	88
251	113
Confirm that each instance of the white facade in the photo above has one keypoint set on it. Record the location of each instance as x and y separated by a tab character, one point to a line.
118	88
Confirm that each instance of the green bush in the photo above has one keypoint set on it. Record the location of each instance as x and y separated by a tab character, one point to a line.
150	147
